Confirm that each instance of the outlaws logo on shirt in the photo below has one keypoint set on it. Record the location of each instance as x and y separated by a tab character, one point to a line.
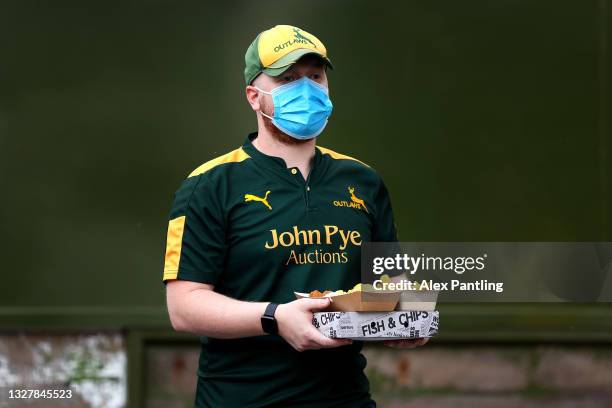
355	202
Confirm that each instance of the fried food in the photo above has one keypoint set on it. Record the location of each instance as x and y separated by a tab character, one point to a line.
360	287
318	294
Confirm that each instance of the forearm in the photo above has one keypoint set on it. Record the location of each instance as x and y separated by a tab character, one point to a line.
208	313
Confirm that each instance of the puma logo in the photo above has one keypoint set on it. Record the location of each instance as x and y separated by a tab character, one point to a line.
302	37
357	200
264	200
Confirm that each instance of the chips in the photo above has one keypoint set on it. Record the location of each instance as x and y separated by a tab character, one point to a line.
360	287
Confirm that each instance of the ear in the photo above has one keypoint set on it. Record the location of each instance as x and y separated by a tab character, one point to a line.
252	95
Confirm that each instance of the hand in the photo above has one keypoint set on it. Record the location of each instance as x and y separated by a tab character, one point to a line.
406	344
294	321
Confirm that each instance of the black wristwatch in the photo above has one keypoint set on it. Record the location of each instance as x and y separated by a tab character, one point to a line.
268	322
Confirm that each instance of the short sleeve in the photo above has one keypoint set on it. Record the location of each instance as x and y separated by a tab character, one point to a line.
195	243
384	223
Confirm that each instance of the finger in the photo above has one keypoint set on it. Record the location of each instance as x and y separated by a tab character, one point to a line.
401	345
409	344
419	342
316	304
392	344
327	342
331	343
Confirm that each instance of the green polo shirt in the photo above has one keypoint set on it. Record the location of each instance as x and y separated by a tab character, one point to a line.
258	231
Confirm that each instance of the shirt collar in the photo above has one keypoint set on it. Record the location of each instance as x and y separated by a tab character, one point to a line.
275	163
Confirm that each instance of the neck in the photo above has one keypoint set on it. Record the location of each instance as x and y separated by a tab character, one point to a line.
295	155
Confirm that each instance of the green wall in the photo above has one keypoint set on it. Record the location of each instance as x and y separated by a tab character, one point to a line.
489	120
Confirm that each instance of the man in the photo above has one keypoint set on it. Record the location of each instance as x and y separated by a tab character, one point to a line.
275	216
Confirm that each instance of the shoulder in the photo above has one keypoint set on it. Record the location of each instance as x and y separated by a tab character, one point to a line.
201	177
235	156
345	162
341	157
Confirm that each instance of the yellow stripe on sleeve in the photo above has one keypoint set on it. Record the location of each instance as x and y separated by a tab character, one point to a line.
174	242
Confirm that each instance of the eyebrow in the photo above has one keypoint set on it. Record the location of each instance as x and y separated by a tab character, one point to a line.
313	65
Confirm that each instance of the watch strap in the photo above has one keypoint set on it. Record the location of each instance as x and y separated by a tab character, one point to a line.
268	322
270	309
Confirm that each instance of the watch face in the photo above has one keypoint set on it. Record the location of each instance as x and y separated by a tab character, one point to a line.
268	323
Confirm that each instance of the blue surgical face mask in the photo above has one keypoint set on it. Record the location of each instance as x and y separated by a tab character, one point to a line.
301	108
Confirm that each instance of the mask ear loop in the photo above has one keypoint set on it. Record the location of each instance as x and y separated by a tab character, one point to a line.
265	92
261	90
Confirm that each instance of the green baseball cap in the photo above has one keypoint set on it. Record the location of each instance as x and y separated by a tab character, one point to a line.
273	51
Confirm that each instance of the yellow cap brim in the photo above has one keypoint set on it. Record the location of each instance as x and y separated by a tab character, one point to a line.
285	62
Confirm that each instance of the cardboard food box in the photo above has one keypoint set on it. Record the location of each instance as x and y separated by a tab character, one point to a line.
358	301
377	326
371	315
380	301
423	300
